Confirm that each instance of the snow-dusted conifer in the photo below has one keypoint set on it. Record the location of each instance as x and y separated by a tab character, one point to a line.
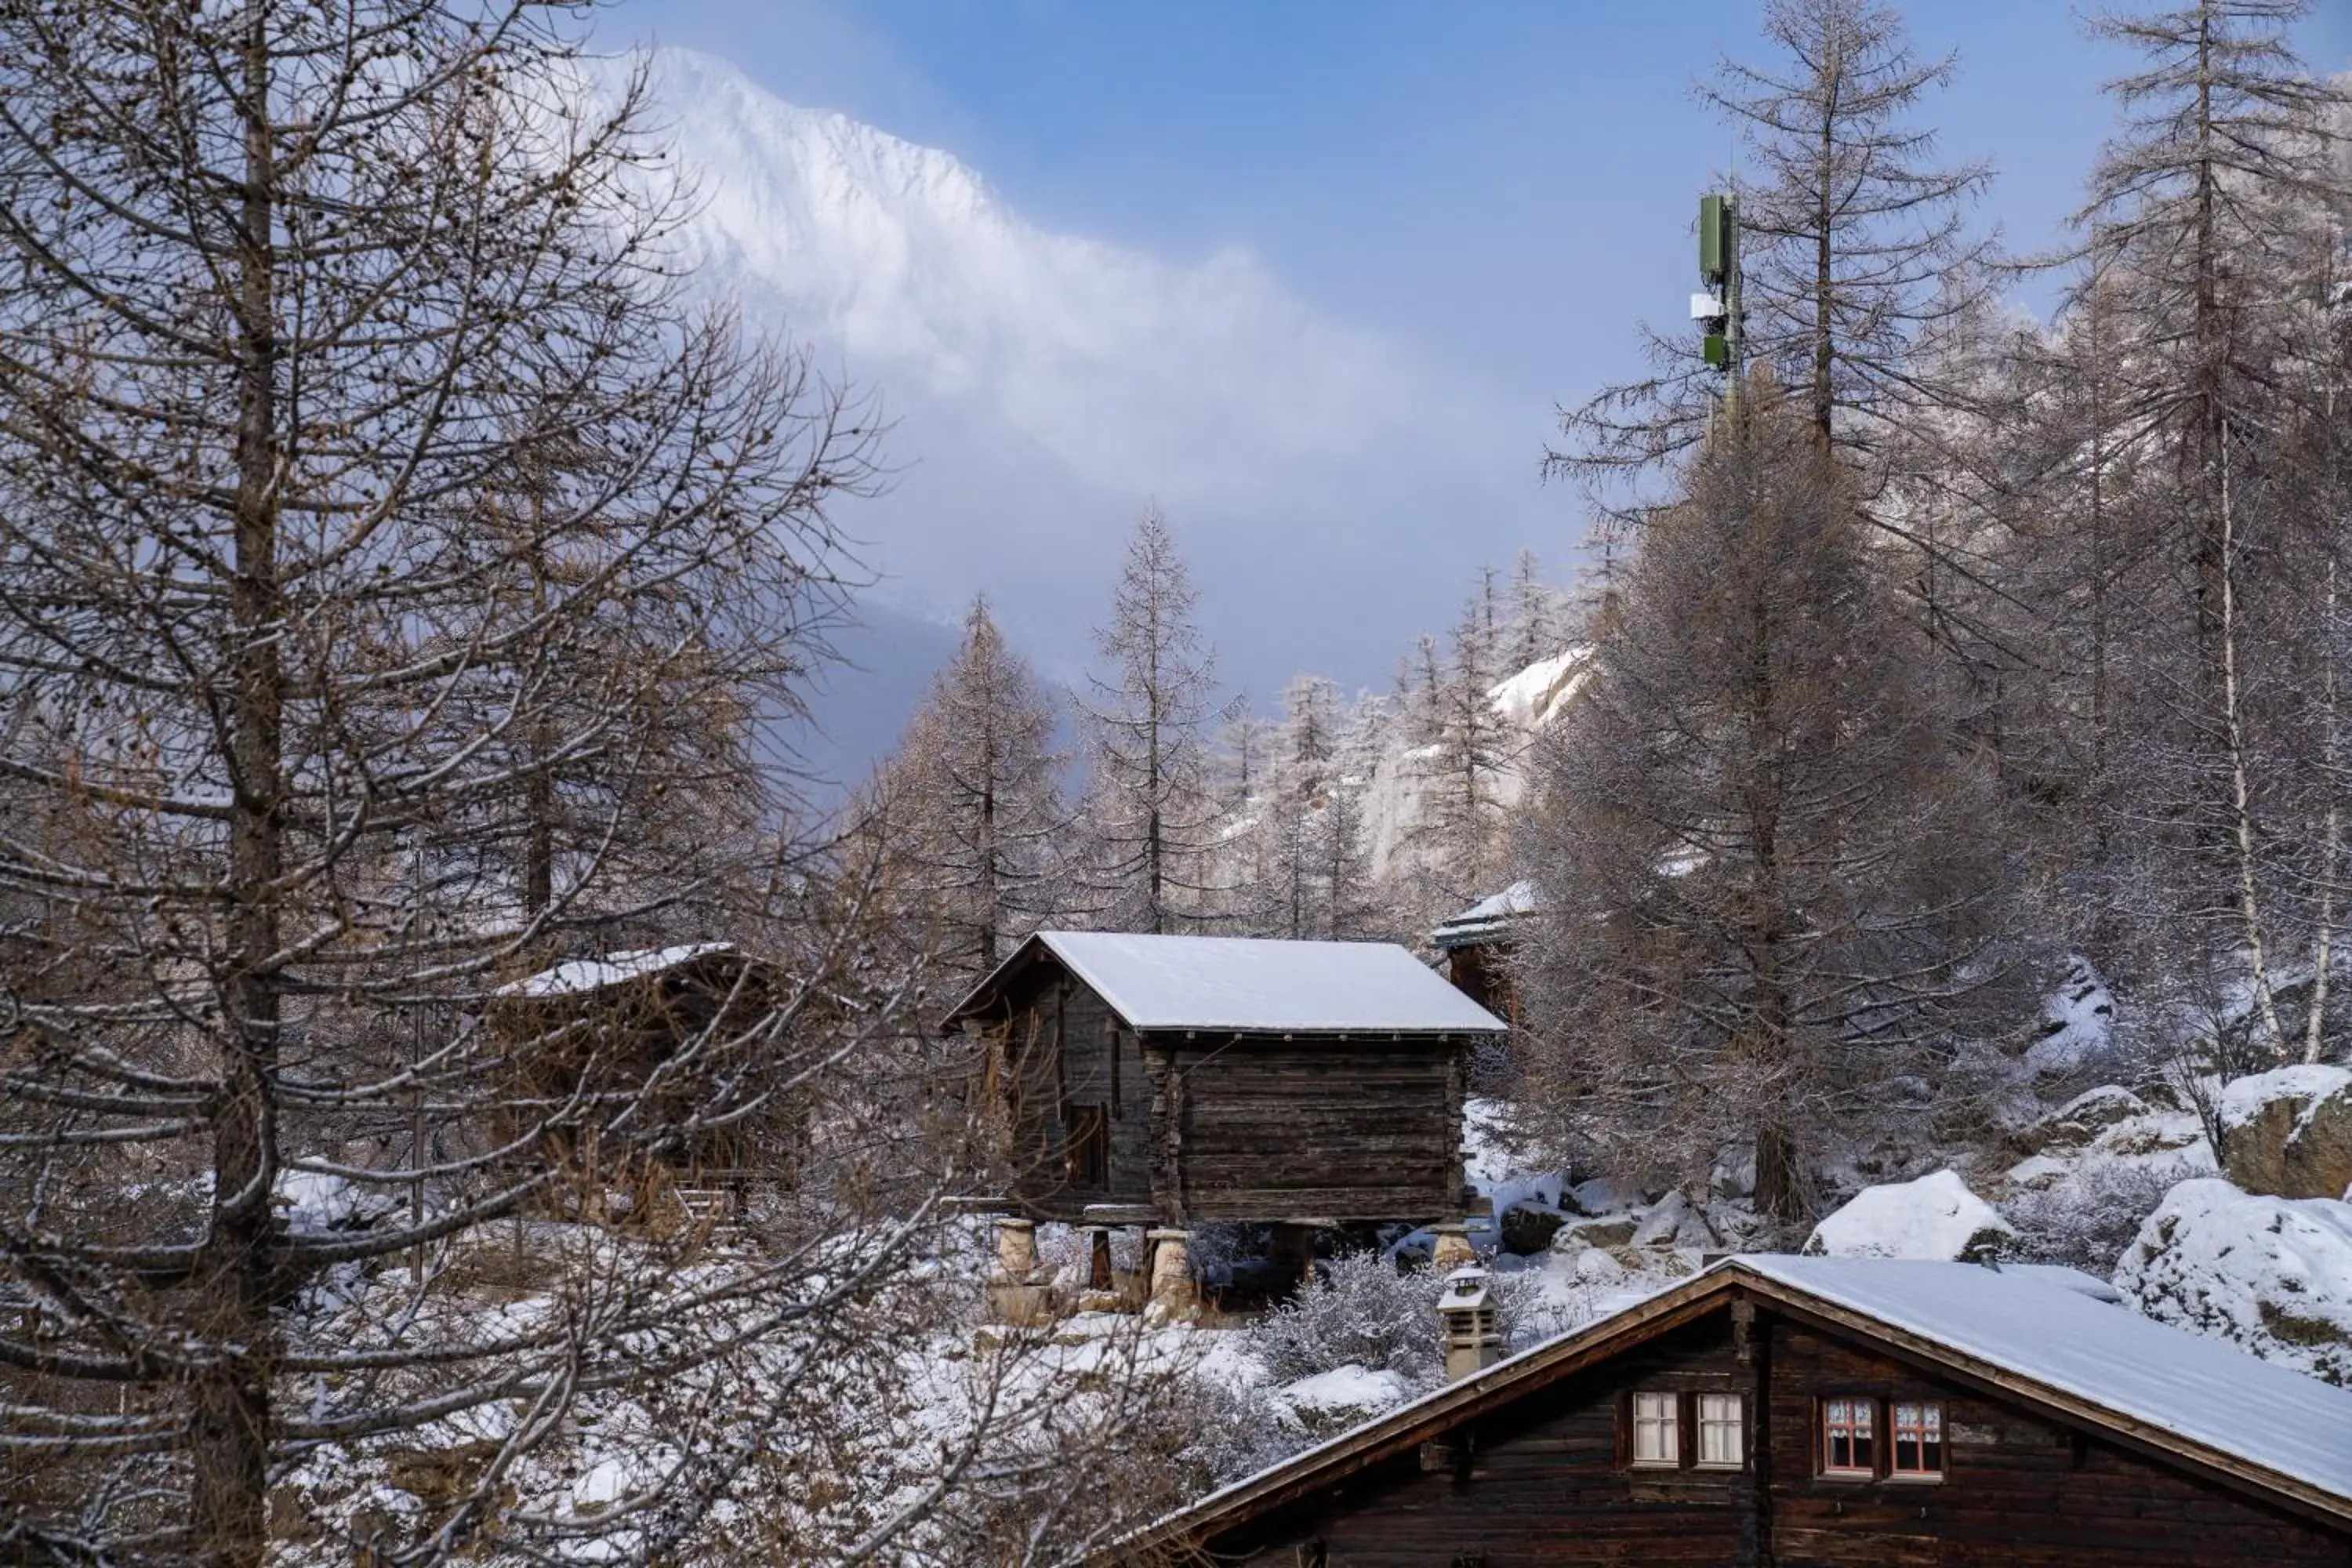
1150	810
977	802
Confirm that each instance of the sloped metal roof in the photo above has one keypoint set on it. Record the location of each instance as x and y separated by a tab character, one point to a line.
1254	985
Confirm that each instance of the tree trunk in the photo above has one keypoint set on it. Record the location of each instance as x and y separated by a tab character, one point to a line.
1779	1176
2240	789
229	1415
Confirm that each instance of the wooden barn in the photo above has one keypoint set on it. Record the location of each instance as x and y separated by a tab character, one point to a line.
1803	1411
1170	1080
603	1026
1479	944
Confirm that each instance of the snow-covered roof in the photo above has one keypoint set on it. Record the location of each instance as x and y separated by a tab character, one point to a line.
2034	1329
578	975
1486	917
2032	1326
1255	984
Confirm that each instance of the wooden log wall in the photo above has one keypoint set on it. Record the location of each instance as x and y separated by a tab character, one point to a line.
1081	1056
1332	1128
2018	1489
1540	1482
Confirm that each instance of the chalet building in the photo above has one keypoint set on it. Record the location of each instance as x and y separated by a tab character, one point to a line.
1173	1079
1789	1411
1479	944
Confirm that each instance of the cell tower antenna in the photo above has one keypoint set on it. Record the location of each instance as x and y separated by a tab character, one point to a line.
1717	308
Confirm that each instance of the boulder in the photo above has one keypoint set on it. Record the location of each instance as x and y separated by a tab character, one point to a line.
2271	1275
1934	1217
1676	1221
2288	1133
1579	1236
1528	1229
1603	1195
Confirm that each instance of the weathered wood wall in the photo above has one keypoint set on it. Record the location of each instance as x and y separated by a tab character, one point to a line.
1545	1482
1332	1128
2020	1489
1067	1051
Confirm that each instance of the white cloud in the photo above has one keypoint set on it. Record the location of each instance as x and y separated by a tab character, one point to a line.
1207	381
1046	385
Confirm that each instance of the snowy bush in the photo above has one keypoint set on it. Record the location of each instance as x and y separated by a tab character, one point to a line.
1358	1310
1231	1429
1528	1313
2086	1220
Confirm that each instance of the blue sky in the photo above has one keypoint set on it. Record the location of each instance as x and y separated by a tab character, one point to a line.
1504	184
1496	190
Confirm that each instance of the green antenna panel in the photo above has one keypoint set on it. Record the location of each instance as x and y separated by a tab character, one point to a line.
1714	238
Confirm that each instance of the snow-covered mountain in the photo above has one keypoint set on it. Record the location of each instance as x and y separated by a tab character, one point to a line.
1117	363
1396	797
1043	386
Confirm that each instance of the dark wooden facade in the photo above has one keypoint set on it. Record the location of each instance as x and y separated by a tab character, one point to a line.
1546	1476
573	1033
1181	1126
1481	971
1479	944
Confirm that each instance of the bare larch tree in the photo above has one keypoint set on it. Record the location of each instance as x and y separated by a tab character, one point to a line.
1771	898
1150	811
396	574
976	801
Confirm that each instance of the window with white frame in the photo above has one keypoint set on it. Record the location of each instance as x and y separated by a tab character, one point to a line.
1919	1433
1657	1429
1720	1444
1849	1445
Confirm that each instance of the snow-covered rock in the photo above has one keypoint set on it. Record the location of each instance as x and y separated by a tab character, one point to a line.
1346	1394
582	975
2082	1118
2289	1131
1676	1221
1934	1217
2077	1023
1404	780
1607	1195
1539	693
2269	1274
2106	1131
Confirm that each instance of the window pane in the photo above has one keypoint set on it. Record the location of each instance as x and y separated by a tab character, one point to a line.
1918	1438
1656	1432
1846	1433
1718	1429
